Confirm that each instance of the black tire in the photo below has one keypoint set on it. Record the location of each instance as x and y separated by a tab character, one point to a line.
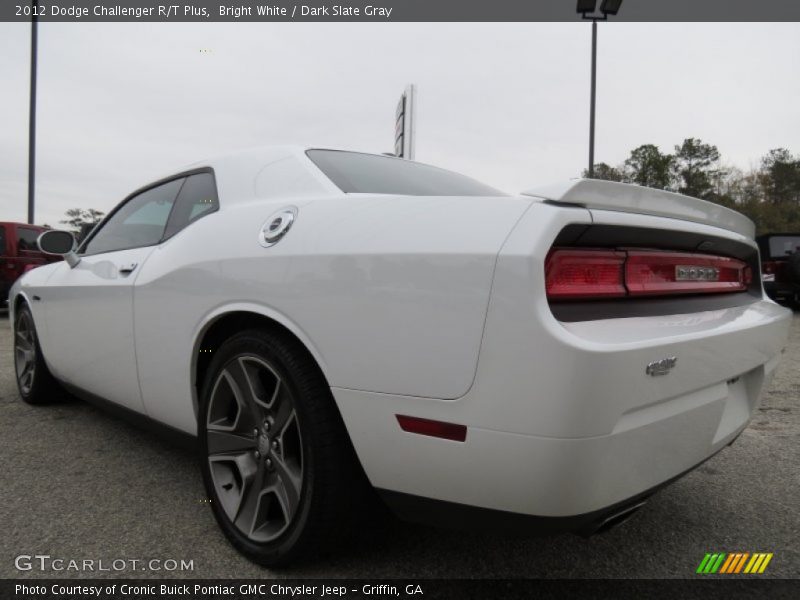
280	531
35	383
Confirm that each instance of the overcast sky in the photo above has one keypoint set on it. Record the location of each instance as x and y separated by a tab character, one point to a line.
121	104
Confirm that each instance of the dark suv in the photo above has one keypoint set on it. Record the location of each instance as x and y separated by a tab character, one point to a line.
780	266
18	253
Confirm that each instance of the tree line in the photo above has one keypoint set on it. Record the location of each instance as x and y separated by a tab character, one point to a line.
769	194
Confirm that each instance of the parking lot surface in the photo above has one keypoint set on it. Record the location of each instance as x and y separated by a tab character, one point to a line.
77	483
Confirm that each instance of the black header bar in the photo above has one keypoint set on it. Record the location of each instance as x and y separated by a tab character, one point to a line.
389	10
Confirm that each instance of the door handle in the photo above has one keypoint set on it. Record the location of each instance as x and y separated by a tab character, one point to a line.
127	269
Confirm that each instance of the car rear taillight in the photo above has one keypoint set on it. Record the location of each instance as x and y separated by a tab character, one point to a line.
659	273
574	274
586	274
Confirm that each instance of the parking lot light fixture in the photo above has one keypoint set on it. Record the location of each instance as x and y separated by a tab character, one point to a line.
587	9
586	6
610	7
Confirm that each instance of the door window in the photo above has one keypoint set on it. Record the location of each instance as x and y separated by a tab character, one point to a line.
139	222
197	198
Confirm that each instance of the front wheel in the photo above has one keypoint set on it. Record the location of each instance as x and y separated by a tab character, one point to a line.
277	463
35	383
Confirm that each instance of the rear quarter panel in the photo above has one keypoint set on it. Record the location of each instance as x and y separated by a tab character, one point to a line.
389	293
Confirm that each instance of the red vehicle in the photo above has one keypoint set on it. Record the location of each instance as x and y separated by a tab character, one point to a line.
19	253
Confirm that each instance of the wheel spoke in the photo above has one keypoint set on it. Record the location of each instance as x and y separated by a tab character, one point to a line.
21	358
27	367
226	442
251	414
23	343
232	476
26	379
287	486
245	515
283	411
263	383
229	409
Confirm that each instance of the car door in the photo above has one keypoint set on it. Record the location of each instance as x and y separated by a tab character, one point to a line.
89	308
166	291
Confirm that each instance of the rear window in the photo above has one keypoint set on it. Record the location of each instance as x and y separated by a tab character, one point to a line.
783	245
353	172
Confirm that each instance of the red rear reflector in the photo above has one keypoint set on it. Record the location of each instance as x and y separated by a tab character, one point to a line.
663	273
439	429
581	273
587	274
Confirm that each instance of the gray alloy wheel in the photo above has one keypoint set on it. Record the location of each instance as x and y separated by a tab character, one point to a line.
36	384
255	450
25	352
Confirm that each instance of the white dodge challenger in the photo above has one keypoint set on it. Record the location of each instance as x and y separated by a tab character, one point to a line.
320	318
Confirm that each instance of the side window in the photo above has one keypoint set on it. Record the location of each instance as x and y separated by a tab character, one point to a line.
26	239
137	223
197	198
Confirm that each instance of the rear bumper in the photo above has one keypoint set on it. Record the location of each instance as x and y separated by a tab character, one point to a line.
453	515
549	477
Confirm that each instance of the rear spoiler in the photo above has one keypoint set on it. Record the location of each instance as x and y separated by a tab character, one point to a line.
625	197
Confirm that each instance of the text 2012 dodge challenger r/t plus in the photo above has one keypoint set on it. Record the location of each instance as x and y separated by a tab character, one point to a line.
320	318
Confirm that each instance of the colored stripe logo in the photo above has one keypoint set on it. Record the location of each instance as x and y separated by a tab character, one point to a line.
734	563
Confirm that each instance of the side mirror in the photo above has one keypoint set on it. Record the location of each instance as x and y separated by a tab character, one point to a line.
61	243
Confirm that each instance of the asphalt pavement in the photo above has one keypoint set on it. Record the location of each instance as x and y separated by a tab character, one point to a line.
79	484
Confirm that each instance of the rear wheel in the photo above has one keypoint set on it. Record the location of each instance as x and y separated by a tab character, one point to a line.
35	383
277	463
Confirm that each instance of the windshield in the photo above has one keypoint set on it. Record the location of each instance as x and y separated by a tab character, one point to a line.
353	172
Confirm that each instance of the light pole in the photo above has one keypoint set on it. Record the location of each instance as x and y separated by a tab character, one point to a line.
587	9
32	113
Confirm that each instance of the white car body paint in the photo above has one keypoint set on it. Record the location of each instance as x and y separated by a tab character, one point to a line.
433	307
77	313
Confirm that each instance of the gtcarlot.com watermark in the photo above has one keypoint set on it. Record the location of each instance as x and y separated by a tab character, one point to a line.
56	564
